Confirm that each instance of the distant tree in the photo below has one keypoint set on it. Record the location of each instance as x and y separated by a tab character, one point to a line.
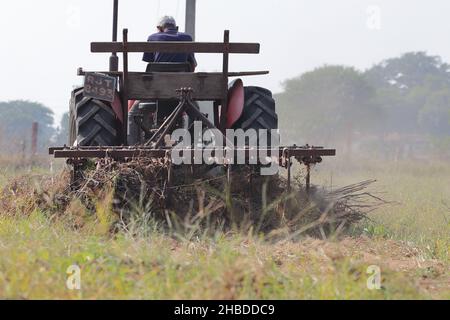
412	91
434	116
16	119
327	105
411	70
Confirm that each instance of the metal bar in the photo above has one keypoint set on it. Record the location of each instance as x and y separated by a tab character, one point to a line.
169	173
144	152
289	169
190	17
172	122
247	73
82	72
226	56
228	195
312	152
124	89
115	20
114	60
216	113
308	178
52	150
115	154
193	112
161	128
104	148
174	47
293	152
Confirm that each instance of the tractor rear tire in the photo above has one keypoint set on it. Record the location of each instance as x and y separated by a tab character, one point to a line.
259	112
92	121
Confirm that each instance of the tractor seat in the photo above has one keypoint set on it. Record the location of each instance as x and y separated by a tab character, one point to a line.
168	67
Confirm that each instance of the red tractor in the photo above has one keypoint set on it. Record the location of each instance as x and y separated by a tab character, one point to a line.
125	115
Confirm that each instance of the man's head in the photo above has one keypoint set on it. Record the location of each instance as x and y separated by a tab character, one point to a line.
167	22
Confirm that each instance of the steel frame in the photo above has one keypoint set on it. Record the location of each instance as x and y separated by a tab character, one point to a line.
306	155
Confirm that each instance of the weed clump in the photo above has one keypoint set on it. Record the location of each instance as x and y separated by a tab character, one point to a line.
191	199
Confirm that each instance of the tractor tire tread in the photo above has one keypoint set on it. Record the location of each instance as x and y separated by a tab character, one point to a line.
92	122
259	111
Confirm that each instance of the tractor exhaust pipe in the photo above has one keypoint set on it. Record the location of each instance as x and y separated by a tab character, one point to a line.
114	59
190	17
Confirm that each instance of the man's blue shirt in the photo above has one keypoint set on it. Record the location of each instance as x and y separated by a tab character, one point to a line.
170	35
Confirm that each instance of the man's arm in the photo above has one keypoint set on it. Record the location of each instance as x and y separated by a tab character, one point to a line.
149	56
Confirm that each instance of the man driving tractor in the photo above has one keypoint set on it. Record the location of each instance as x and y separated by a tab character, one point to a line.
168	31
167	62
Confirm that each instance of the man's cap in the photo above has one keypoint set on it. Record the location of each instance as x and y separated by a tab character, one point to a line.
167	20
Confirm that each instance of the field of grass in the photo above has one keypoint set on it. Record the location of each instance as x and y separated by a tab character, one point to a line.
419	193
409	240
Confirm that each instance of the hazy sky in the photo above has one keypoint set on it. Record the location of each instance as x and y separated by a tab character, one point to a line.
43	42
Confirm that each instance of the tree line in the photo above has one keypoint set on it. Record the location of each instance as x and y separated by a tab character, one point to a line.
399	102
16	120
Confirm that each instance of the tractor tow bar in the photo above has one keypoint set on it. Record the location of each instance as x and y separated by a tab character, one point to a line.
306	155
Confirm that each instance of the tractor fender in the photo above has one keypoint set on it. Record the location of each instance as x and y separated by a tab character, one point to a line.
236	98
117	107
131	104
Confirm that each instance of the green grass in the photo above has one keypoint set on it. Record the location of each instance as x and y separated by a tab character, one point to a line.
36	254
409	240
419	193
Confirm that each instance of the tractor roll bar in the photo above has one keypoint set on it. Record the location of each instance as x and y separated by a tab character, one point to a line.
114	59
173	47
225	48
